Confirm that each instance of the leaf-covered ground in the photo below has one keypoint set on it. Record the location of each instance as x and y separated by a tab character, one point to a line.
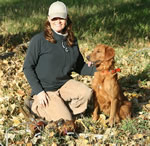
134	79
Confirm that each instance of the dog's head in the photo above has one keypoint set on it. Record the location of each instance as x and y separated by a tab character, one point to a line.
102	57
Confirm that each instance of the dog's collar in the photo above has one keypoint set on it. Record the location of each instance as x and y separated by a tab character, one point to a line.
115	70
112	71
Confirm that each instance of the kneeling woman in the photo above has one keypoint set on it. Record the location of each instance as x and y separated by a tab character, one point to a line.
51	57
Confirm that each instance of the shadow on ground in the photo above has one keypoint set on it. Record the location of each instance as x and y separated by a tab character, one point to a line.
134	17
131	85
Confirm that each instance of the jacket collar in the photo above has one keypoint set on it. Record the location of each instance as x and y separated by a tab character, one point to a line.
59	36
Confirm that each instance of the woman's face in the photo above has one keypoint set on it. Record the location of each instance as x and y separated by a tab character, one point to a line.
57	24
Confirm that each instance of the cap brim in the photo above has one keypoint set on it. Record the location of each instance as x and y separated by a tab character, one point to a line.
58	15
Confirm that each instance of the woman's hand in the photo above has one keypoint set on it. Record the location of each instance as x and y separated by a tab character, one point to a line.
90	63
43	98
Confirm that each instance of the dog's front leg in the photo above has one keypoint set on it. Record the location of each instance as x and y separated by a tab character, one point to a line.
95	112
113	111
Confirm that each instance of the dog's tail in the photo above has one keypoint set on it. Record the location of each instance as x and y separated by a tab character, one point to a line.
125	110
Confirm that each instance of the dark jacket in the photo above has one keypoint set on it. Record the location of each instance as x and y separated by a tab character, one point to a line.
48	66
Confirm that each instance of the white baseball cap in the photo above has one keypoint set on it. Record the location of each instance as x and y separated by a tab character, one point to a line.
57	9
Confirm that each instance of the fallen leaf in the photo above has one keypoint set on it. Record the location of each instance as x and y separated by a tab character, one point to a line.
137	136
20	92
82	142
148	83
13	106
20	143
147	106
5	61
29	144
1	73
102	120
11	136
51	134
148	140
2	120
16	121
54	144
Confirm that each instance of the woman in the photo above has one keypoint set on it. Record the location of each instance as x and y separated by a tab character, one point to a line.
51	57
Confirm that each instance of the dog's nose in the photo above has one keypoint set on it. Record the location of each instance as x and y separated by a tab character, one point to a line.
88	57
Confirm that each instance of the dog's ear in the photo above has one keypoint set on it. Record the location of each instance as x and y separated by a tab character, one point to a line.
109	53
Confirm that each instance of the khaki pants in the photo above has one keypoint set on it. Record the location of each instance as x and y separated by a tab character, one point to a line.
72	97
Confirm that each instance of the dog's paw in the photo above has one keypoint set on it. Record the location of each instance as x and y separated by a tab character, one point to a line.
95	117
111	122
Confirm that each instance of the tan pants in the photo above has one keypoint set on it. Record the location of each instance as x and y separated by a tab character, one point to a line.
72	97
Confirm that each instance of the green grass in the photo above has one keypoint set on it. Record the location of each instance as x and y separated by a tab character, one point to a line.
115	22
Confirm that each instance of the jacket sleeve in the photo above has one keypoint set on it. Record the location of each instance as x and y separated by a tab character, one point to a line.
82	68
29	66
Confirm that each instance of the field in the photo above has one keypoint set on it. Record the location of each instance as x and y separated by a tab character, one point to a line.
122	24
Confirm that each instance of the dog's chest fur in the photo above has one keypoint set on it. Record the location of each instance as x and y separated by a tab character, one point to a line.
105	82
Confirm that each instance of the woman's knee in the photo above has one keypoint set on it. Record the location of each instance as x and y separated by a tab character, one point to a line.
87	93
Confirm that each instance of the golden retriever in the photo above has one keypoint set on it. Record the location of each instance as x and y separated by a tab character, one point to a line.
107	92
